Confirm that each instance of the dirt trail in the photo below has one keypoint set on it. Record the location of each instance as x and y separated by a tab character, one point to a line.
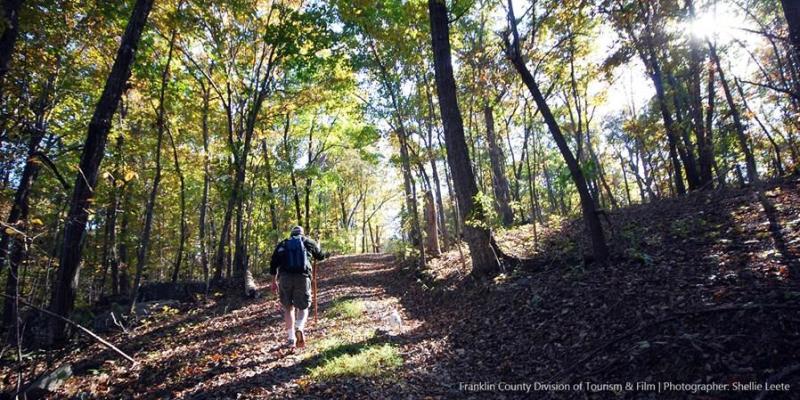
230	349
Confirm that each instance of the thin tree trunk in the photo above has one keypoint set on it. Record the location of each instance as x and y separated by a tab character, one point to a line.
184	229
499	180
273	216
63	295
206	184
18	218
161	126
592	220
484	259
669	125
707	151
431	116
431	226
685	146
775	147
750	160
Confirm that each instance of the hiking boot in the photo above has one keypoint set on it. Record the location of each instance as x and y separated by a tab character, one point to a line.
301	338
289	346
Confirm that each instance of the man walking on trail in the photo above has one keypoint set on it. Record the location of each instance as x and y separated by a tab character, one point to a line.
290	267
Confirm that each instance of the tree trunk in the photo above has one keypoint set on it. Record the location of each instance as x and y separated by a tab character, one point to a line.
273	216
775	147
184	229
685	145
750	160
9	38
696	58
669	126
224	240
206	184
17	218
161	127
791	9
707	151
499	180
478	238
431	226
591	219
434	169
112	260
63	295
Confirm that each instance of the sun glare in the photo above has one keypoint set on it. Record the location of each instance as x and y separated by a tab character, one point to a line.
719	23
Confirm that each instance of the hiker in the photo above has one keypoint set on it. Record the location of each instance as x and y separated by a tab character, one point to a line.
290	267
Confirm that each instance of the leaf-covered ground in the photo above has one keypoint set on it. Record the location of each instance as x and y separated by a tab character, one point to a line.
701	290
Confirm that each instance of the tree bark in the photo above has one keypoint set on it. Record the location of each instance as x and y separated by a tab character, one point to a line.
778	159
206	184
476	234
431	226
669	125
18	215
591	219
273	216
744	145
791	9
499	180
63	295
184	229
161	127
9	38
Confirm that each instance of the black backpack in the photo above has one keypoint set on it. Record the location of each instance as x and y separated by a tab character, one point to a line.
296	257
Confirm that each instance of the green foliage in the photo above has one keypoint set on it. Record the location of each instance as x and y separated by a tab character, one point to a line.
358	361
346	309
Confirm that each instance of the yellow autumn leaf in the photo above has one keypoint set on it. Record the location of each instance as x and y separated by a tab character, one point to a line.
130	175
37	222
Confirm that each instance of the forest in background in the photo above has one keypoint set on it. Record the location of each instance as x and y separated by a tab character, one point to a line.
403	126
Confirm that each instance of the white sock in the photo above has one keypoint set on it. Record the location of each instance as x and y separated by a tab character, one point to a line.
300	321
292	337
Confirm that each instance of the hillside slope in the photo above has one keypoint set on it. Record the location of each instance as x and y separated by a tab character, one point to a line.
702	289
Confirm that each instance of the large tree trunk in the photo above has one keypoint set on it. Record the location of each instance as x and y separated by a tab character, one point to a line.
63	296
161	127
791	9
8	38
478	238
499	180
744	145
591	219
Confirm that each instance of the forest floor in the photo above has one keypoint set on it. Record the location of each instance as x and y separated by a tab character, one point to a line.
703	289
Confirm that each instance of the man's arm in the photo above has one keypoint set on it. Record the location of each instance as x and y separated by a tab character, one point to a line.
314	249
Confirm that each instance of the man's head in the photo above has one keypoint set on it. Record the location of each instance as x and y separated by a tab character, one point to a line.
297	230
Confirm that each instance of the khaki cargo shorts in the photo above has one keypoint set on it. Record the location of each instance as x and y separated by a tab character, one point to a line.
294	289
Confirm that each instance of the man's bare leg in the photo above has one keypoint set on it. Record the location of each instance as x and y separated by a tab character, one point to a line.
288	319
